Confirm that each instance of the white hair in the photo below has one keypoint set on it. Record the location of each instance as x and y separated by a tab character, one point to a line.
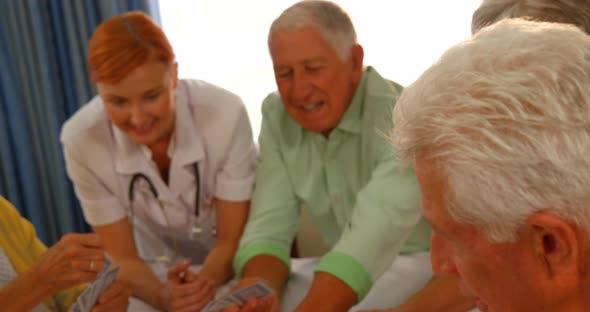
505	116
327	17
575	12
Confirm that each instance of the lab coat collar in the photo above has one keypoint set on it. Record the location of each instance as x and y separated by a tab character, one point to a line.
189	147
129	159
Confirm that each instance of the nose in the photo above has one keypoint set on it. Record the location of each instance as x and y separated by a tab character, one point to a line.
301	87
441	256
138	116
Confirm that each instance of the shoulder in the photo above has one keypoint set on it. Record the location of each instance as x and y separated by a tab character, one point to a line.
274	112
279	125
90	121
273	105
205	94
381	90
12	224
8	212
381	95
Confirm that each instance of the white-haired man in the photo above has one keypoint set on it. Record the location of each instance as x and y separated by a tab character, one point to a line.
322	146
499	133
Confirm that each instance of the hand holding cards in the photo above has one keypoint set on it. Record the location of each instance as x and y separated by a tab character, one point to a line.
105	278
239	297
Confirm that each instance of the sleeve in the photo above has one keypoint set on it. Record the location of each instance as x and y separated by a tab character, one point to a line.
385	213
274	215
65	298
21	230
99	204
21	233
235	180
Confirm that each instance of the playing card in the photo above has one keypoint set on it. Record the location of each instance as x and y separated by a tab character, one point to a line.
239	297
257	290
90	295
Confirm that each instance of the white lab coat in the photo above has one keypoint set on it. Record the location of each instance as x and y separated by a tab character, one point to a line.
212	128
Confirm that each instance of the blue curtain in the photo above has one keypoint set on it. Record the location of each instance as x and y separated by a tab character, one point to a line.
43	81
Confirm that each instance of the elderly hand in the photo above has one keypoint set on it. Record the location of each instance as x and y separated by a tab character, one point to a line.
188	291
267	304
115	298
75	259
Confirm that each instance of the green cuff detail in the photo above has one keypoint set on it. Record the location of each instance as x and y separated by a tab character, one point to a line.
348	270
249	251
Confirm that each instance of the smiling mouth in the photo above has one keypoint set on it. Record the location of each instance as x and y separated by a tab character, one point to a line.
143	130
312	107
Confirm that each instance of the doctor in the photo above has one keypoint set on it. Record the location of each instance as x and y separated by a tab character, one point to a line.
163	168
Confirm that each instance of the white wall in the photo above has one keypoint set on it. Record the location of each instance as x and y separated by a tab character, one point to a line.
224	41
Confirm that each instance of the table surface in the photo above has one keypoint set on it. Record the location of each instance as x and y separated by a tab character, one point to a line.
407	275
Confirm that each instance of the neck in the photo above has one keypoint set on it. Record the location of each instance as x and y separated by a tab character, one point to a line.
160	148
161	158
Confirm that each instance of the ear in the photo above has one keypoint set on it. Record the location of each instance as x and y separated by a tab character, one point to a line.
556	243
174	74
357	55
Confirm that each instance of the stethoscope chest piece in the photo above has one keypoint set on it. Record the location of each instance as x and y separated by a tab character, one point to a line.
198	230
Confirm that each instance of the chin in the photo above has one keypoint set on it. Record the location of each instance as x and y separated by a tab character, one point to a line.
142	140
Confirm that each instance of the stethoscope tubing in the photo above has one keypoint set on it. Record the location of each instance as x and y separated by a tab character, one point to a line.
154	191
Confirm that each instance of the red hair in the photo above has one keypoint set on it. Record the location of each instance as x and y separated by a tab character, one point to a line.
124	42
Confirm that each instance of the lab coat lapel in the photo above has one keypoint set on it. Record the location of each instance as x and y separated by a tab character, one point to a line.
188	148
128	156
129	160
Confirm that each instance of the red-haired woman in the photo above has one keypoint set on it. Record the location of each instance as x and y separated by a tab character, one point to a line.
163	168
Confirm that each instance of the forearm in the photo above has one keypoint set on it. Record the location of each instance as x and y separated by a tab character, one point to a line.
441	294
269	269
328	292
143	282
23	293
218	264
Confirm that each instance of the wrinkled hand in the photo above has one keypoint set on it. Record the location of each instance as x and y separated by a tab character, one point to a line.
75	259
188	291
266	304
115	298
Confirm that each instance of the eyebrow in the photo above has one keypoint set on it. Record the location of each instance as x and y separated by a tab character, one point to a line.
115	96
317	59
154	89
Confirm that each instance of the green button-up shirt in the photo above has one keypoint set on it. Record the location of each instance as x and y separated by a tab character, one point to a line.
365	204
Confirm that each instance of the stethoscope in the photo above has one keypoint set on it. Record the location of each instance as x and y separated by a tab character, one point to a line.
196	228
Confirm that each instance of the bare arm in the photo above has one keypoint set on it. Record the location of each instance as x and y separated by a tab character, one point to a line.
231	219
328	292
269	269
12	298
134	272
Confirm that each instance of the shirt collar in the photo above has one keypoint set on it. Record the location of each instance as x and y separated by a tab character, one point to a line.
170	151
188	146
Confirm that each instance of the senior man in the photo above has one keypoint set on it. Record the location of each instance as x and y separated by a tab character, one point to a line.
499	133
323	145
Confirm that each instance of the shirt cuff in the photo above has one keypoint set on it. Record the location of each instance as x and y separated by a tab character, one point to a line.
234	189
102	211
348	270
252	250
